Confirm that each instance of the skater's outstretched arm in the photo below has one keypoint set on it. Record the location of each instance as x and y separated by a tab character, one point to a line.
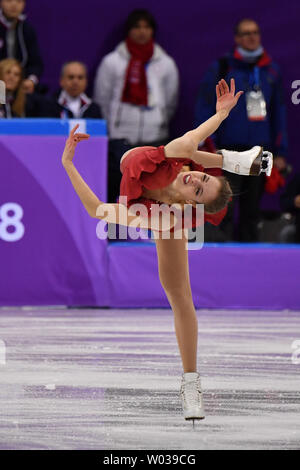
111	213
187	145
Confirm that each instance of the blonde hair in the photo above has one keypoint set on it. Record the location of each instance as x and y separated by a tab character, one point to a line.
223	197
18	106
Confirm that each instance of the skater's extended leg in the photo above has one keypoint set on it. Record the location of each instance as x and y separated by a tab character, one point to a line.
174	277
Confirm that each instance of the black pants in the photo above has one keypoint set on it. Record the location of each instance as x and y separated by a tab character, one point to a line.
250	189
116	149
297	240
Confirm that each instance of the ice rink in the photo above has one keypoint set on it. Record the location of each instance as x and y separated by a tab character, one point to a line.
110	379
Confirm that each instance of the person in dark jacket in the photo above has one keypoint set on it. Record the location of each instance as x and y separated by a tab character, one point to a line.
259	120
71	101
290	202
18	40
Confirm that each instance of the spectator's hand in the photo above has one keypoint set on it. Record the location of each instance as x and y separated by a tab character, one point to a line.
297	201
280	163
28	86
226	99
71	143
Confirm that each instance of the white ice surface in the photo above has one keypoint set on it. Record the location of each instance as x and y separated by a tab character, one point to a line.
117	375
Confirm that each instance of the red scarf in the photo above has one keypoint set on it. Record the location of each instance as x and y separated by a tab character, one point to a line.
274	182
135	87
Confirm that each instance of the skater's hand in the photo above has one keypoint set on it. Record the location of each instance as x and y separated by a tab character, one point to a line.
226	99
71	143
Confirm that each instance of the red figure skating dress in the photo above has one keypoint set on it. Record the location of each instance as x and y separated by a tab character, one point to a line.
148	168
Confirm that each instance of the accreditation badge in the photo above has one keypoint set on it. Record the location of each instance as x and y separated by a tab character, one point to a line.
2	92
256	105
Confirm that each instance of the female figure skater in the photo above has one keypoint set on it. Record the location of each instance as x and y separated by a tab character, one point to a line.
158	175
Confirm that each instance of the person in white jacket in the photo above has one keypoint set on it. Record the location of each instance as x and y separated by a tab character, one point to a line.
136	86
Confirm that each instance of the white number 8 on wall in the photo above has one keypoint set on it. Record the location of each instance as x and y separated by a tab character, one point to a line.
10	218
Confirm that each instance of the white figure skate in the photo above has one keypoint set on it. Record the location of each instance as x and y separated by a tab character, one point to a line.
251	162
191	396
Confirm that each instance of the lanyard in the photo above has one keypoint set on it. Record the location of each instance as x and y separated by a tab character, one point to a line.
254	78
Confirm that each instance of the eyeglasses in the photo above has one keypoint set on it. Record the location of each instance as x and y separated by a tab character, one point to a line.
249	33
71	77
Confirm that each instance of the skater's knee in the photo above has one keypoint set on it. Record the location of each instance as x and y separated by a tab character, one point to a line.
170	284
176	290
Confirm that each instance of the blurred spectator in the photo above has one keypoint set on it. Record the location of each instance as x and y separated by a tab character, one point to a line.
290	202
18	103
259	119
136	86
71	101
18	40
11	74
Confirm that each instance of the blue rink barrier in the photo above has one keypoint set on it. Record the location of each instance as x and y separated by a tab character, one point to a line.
35	126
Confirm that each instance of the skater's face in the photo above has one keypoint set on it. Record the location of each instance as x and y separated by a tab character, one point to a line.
141	33
12	9
197	187
248	35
